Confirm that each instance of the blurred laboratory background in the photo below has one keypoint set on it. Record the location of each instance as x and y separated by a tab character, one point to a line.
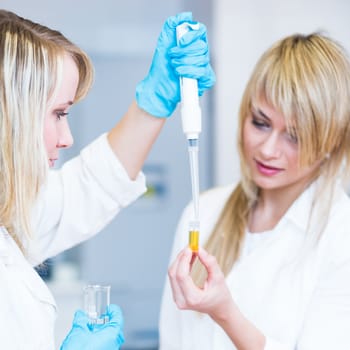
132	253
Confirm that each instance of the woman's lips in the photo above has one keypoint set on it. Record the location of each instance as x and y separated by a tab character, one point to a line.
267	170
52	162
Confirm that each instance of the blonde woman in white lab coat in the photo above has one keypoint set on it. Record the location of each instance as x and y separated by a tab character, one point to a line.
274	272
42	211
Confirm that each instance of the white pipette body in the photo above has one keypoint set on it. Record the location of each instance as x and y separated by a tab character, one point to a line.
191	115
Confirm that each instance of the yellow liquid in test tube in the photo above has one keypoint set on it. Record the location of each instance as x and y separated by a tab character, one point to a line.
194	240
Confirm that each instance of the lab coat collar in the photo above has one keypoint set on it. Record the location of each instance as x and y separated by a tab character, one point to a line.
299	212
14	262
308	204
6	256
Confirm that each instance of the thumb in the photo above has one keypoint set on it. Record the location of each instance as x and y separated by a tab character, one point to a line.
167	38
115	314
174	21
80	320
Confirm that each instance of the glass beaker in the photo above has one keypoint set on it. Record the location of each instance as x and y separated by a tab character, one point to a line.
96	300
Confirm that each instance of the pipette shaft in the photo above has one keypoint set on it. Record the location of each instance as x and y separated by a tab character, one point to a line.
193	156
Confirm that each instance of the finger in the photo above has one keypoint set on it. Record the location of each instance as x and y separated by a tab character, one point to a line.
115	314
116	320
194	35
183	275
192	72
120	339
172	273
193	259
208	78
168	33
210	263
184	263
190	62
81	320
198	48
173	267
174	21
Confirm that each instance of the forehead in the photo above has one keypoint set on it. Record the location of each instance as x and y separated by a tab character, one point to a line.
68	83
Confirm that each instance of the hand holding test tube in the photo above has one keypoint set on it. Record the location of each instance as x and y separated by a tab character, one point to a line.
99	326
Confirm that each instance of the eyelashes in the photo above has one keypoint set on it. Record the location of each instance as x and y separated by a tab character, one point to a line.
60	114
260	124
263	125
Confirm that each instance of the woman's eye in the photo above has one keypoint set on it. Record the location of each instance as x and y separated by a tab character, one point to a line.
259	123
60	114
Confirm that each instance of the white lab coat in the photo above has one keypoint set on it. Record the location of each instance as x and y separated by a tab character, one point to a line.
296	293
75	204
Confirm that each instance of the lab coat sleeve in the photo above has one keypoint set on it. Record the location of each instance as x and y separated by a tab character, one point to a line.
80	199
327	321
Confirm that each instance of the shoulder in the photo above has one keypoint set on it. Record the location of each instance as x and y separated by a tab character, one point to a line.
339	213
217	194
213	201
337	233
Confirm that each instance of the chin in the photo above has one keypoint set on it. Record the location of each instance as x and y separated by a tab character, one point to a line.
267	184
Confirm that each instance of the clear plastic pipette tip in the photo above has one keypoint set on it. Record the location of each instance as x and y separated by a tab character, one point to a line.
193	155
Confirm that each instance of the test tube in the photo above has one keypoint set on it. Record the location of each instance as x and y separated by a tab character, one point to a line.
96	300
193	239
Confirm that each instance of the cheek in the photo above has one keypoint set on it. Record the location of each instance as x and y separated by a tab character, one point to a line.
50	137
292	155
247	139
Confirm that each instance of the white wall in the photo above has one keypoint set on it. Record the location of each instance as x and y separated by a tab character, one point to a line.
243	29
108	26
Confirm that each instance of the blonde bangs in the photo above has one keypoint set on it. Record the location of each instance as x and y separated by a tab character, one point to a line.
86	74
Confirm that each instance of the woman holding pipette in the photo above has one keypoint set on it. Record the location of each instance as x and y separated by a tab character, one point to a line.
43	212
274	270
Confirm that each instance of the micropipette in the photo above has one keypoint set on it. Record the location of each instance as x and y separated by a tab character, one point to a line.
191	126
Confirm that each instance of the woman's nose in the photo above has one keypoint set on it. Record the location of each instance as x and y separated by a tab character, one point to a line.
65	138
271	147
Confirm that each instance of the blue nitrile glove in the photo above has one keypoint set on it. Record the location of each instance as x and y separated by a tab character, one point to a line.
108	336
159	93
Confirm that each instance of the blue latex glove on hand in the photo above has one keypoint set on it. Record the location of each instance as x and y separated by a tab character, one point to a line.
159	93
83	336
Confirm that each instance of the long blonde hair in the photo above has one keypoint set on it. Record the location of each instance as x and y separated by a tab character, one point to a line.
31	58
307	79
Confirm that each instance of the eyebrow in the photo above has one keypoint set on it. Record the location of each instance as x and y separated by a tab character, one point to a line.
260	112
68	103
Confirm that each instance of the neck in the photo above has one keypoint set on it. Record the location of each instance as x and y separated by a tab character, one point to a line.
272	205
